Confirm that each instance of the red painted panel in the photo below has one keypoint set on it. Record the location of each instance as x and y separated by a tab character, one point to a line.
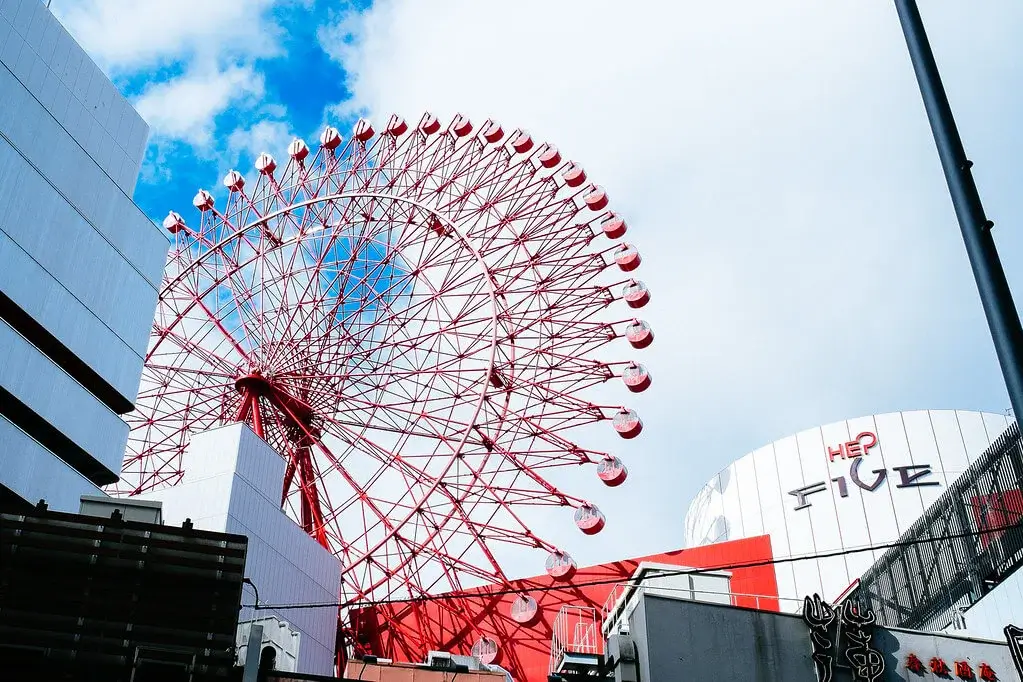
389	630
997	511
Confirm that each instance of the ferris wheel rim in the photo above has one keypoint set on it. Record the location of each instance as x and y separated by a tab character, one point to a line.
522	218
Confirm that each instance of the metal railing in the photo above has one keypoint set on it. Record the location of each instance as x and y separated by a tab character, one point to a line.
576	630
617	607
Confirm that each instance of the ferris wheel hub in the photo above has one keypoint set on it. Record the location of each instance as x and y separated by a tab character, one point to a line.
254	382
293	410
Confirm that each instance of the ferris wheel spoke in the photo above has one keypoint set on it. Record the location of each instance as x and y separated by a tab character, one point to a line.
311	283
316	442
239	293
181	346
434	484
421	476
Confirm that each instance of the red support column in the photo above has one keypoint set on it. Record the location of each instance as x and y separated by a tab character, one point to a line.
257	417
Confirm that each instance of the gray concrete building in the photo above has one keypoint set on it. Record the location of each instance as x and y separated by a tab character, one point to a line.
80	263
678	640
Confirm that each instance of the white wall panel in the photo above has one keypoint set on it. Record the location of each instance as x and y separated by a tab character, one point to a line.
952	443
748	492
720	525
860	514
772	507
894	432
35	380
797	522
728	484
34	473
835	571
698	522
232	485
945	451
752	496
827	531
995	424
41	51
1004	604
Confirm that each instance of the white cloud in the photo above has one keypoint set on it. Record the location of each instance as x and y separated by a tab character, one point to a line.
246	143
126	35
776	168
211	49
185	108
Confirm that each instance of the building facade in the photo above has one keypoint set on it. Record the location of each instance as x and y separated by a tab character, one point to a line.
678	639
957	567
80	263
839	487
232	484
98	596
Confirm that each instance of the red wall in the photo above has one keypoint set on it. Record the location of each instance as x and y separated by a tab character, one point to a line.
405	631
998	510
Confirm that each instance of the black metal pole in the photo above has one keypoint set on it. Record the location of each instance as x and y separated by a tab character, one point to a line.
1002	316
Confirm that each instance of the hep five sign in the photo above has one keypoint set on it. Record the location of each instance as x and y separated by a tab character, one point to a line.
854	452
857	447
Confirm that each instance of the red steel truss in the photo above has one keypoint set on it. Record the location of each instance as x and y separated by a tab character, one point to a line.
413	320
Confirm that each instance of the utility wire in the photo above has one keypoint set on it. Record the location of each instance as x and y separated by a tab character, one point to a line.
636	580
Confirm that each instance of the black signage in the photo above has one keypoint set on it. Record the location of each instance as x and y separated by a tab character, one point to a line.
855	630
1014	635
867	664
819	615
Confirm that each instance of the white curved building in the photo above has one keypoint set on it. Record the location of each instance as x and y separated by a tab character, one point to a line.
845	485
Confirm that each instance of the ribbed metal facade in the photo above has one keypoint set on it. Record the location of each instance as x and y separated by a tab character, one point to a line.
80	263
100	598
965	545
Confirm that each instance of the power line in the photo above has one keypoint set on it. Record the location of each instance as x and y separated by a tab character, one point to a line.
636	580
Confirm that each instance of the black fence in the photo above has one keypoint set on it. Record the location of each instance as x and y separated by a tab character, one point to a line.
964	545
86	598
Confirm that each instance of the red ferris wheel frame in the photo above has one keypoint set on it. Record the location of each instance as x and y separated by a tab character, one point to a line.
411	319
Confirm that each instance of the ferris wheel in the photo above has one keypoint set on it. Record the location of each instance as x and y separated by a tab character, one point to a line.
412	319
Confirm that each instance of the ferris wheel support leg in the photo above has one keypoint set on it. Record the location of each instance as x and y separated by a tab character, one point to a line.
243	409
257	417
289	475
312	515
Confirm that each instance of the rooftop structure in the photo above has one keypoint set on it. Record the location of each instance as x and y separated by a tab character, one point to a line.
531	626
680	639
105	598
232	485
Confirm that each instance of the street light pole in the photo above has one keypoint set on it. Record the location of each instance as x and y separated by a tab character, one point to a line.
1002	316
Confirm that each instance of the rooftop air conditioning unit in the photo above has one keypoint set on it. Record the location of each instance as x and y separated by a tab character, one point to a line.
277	634
440	660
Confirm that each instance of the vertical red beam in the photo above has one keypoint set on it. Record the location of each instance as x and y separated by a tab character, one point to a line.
257	417
243	409
289	475
312	516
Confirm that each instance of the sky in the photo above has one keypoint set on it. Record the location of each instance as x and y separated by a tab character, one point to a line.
773	161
